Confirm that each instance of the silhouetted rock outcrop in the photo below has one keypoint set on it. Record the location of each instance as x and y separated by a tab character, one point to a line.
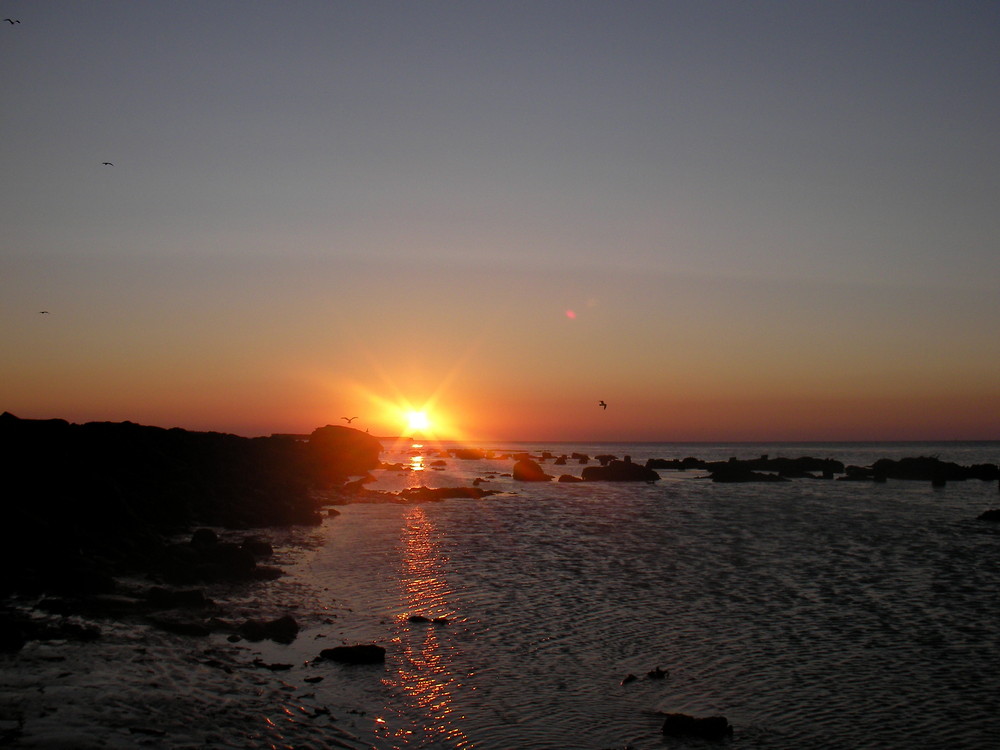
619	471
339	452
931	469
526	470
468	454
80	501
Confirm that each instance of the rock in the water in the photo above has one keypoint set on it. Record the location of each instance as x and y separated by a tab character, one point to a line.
706	727
361	653
619	471
526	470
282	630
339	452
990	515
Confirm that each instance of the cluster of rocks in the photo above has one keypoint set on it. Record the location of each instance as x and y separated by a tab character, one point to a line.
766	469
170	604
611	470
921	468
684	725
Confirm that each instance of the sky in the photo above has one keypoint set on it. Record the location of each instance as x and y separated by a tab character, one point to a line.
758	221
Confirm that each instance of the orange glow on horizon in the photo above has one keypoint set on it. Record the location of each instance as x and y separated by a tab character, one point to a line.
400	416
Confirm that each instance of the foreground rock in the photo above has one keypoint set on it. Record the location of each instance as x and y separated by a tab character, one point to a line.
362	653
706	727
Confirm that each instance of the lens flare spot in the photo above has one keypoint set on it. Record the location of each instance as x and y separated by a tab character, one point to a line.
571	315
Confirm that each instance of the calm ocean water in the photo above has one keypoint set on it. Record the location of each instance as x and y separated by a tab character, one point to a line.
812	613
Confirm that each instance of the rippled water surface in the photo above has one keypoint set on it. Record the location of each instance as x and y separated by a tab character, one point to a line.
810	613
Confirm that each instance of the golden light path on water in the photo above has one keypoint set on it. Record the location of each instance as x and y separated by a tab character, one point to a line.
423	676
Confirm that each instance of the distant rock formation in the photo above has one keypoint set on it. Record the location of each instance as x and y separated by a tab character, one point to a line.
619	471
931	469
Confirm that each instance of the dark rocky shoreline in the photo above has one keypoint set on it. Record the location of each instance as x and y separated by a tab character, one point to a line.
82	502
85	504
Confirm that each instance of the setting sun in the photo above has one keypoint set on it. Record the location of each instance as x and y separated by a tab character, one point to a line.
417	421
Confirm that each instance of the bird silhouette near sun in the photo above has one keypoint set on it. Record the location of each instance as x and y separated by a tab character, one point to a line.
348	419
602	404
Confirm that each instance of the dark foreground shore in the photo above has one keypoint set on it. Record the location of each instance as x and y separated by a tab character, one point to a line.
109	559
84	502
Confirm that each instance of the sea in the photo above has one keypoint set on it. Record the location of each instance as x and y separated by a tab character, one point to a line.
810	613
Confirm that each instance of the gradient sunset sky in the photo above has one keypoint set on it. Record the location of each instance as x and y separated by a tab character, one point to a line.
728	220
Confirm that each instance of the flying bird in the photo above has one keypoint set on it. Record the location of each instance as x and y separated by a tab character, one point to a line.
602	404
12	21
348	419
106	164
43	312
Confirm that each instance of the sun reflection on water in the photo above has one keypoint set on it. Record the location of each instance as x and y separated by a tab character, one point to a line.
424	677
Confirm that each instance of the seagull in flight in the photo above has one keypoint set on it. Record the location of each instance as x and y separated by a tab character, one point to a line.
106	164
602	404
348	419
12	21
43	312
